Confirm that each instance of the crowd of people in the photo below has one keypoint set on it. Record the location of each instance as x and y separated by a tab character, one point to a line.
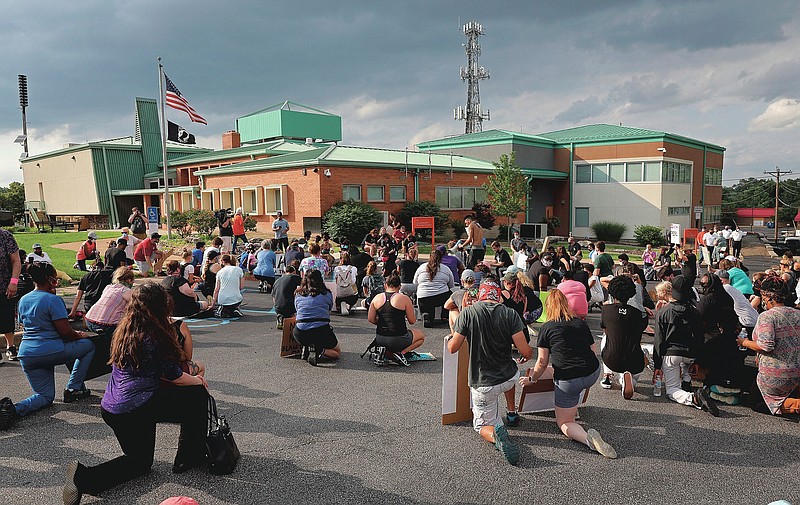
703	324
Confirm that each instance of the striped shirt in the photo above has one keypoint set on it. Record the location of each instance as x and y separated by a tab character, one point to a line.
109	308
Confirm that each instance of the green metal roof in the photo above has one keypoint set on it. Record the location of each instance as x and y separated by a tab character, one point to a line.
154	191
274	147
289	105
595	134
289	120
544	173
171	172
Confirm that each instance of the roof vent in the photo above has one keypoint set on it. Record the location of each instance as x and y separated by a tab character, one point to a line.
309	141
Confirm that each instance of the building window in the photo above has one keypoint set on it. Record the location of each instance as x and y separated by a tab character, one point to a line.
207	200
583	173
713	176
652	171
712	213
249	201
678	211
459	198
375	193
226	199
600	173
397	193
351	192
581	217
633	172
676	172
616	172
273	200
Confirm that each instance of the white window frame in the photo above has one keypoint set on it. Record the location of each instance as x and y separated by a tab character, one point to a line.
231	192
475	199
254	191
207	193
282	191
360	192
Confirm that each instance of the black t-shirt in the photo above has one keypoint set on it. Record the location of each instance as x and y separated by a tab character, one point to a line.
689	267
93	285
283	294
502	256
360	261
138	225
293	254
184	305
534	271
370	239
570	348
624	326
488	327
575	250
407	270
116	258
225	231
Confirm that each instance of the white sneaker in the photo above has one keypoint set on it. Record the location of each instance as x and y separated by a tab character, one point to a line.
597	443
343	309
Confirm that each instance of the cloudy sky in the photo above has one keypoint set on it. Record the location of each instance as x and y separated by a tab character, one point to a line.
722	71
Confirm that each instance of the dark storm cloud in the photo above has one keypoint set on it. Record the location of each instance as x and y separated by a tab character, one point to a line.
779	80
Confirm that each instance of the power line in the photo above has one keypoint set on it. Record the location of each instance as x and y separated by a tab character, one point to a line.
777	174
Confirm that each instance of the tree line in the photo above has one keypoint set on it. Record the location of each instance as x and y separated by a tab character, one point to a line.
760	193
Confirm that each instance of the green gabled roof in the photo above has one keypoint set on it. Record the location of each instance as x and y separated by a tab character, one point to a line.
488	137
171	172
124	143
274	147
289	105
301	158
608	133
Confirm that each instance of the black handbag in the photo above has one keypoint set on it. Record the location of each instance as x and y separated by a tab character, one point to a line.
222	451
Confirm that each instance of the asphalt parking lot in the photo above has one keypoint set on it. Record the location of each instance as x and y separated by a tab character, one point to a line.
350	432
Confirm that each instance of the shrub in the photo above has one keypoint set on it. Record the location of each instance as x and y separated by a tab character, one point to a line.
458	228
202	221
180	223
646	234
609	231
250	223
483	214
420	209
350	219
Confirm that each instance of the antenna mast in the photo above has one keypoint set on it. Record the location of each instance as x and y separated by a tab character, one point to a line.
473	73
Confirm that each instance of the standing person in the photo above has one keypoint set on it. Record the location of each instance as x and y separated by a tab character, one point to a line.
145	354
228	291
283	293
776	339
91	287
699	245
491	329
621	347
678	339
147	255
225	230
87	251
315	262
389	311
265	267
567	343
345	277
184	299
516	242
281	228
138	224
434	283
709	240
104	316
474	242
48	340
237	223
736	242
10	268
603	262
313	303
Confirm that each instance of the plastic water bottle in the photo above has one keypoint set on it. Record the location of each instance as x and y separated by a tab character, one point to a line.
743	334
659	384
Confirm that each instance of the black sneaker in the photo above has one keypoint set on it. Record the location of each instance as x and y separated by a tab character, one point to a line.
70	395
398	358
512	419
606	382
11	353
8	414
71	494
687	386
702	400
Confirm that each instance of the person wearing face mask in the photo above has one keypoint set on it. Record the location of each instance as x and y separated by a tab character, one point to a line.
87	251
540	273
48	340
131	241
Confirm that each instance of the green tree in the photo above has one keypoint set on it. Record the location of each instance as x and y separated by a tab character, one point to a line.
507	189
350	219
13	198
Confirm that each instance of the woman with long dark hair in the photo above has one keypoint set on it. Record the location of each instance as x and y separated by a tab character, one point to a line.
434	285
389	311
312	330
145	353
567	343
48	340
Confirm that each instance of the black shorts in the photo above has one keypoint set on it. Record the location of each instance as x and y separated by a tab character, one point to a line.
319	337
395	344
8	309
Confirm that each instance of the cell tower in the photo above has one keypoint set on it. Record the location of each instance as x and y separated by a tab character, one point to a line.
472	73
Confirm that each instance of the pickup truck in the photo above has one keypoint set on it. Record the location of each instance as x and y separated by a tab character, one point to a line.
788	244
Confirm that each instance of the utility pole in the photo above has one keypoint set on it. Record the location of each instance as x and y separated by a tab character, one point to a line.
777	174
23	103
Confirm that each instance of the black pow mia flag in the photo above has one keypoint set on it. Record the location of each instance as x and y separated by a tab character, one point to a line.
177	133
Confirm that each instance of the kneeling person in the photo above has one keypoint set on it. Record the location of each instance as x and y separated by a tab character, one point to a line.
490	329
389	311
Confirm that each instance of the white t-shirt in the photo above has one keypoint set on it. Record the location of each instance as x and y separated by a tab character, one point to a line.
188	269
132	241
748	315
737	235
205	257
710	239
726	234
44	258
228	279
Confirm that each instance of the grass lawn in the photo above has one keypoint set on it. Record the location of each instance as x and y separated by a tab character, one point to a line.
62	259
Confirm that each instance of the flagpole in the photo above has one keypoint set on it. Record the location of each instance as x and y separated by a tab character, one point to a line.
164	146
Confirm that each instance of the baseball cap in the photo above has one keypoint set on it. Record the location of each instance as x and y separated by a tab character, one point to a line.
681	288
467	274
92	235
731	258
511	273
36	246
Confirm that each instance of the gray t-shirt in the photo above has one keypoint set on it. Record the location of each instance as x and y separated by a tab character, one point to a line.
488	328
281	226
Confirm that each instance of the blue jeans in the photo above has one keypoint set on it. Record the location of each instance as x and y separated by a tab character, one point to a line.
40	371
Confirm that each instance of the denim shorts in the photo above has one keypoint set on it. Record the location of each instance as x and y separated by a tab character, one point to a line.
568	392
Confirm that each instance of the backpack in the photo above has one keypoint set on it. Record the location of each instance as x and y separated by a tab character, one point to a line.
344	285
138	225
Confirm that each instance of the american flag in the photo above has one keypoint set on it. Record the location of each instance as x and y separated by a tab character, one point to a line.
176	101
